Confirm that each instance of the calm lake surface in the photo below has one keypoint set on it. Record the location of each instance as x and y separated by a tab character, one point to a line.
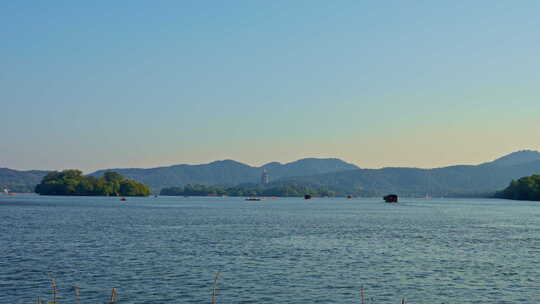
167	249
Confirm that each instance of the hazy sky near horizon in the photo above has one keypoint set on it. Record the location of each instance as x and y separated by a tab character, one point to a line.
107	84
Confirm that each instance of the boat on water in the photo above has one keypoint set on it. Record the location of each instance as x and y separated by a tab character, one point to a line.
307	196
252	199
391	198
123	199
8	193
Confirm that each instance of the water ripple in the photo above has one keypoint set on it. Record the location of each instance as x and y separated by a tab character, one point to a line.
167	250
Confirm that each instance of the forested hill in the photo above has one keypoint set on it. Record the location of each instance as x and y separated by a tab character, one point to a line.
20	181
526	188
479	180
73	182
515	158
229	172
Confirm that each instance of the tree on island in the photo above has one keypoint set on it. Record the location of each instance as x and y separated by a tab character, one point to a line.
525	188
73	182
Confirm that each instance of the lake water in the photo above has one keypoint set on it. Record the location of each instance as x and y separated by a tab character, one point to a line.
167	249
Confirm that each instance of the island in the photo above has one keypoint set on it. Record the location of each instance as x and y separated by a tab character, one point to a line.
73	182
526	189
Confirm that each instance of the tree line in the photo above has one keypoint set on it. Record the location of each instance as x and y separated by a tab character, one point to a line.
282	191
73	182
526	188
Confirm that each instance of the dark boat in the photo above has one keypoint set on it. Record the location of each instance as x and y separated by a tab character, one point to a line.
123	199
253	199
391	198
307	196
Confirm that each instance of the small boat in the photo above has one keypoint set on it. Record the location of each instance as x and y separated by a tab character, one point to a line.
307	196
8	193
391	198
253	199
123	199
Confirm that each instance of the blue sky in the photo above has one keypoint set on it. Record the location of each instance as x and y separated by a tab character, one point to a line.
104	84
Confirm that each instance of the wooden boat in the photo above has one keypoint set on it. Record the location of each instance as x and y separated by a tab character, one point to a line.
253	199
391	198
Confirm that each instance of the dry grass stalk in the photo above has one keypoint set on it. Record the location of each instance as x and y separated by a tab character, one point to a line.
114	296
77	290
54	289
215	288
114	293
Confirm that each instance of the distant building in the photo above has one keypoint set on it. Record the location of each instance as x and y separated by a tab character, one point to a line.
264	178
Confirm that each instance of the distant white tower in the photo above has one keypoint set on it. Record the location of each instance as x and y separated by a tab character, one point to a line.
264	177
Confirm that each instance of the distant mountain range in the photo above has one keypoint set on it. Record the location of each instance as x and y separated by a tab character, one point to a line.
479	180
331	173
230	172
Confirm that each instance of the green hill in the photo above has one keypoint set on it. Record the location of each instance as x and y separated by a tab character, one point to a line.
525	188
228	172
481	180
73	182
20	181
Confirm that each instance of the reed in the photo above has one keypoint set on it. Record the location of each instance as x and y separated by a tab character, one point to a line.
54	290
77	290
54	293
215	288
114	293
114	296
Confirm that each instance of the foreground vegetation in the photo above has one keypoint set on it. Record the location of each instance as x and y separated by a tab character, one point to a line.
73	182
114	294
525	188
282	191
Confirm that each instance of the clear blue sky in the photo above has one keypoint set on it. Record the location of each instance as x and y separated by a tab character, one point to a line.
102	84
